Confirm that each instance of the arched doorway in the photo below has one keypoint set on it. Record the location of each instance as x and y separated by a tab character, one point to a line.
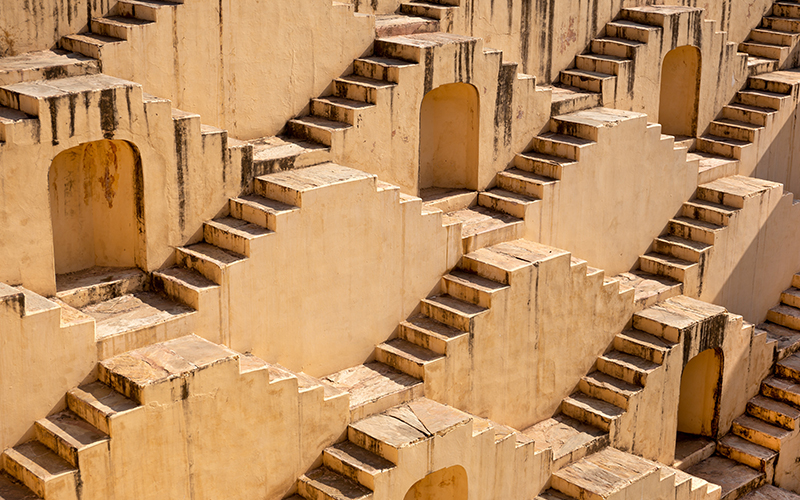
448	140
680	91
701	386
95	214
445	484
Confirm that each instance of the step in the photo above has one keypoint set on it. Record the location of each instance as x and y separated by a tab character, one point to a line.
755	115
569	439
604	64
261	211
680	248
526	183
791	297
789	368
781	389
759	65
592	81
232	234
566	99
786	9
630	30
643	345
773	37
97	284
616	47
426	9
735	190
429	333
209	260
759	432
747	453
632	369
712	167
774	412
316	129
732	129
507	202
781	82
672	318
785	316
761	98
608	473
765	50
88	44
276	154
143	9
387	25
735	479
45	65
482	227
787	339
100	405
11	489
787	24
723	146
452	311
591	411
544	165
694	230
649	289
117	26
325	484
470	287
359	88
407	357
41	470
708	211
356	463
183	285
68	435
385	68
665	265
608	388
769	492
338	109
559	145
375	387
691	449
290	186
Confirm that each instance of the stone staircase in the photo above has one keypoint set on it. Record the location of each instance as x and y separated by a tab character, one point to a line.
417	17
783	321
773	44
682	253
611	473
73	450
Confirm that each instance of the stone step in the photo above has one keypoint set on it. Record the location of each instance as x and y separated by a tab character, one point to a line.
45	65
592	411
708	211
791	297
565	99
98	284
649	289
666	265
183	285
497	263
773	37
289	187
359	88
780	82
601	64
606	474
789	368
471	287
786	9
732	129
722	146
735	190
759	65
774	412
787	24
781	389
355	463
88	44
612	46
385	68
559	145
712	167
734	478
405	425
787	339
785	315
547	166
452	311
148	10
569	439
632	369
482	227
680	248
208	260
671	318
375	387
507	202
526	183
274	154
755	115
232	234
68	435
608	388
765	50
316	129
691	450
325	484
338	109
387	25
587	124
429	333
118	26
407	357
100	405
41	470
759	432
761	99
262	211
426	9
552	494
592	81
643	345
630	30
747	453
796	280
11	489
694	230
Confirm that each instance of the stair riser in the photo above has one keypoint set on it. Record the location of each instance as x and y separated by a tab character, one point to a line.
227	240
88	412
621	372
310	133
661	269
466	293
422	339
586	416
60	487
796	281
706	215
603	393
771	416
434	12
746	459
589	83
611	48
725	130
574	129
578	103
355	92
761	101
783	319
375	446
510	207
538	167
139	11
628	32
205	267
718	148
384	403
629	347
101	27
521	186
766	51
87	49
772	38
655	328
55	443
747	116
348	470
720	197
587	63
790	299
484	270
770	85
369	69
761	67
677	251
573	491
263	187
405	365
781	24
485	239
310	492
786	10
693	233
446	316
784	371
548	147
333	112
756	437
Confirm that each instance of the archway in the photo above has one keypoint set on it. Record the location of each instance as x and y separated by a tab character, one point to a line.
445	484
448	140
95	206
701	385
680	91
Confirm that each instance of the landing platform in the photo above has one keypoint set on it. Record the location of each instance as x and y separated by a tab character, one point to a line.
570	439
374	387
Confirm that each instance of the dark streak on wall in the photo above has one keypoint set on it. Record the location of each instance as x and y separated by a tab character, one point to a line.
503	112
428	85
138	191
53	102
247	167
525	33
181	166
108	113
73	103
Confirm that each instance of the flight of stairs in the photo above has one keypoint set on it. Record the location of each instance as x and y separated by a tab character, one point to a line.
773	44
783	321
417	17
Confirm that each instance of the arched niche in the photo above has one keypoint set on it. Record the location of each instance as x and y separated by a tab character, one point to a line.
680	91
445	484
701	386
448	140
96	205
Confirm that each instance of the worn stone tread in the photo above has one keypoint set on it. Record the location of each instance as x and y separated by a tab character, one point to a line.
728	474
133	312
11	489
371	381
455	305
770	492
335	485
433	327
472	280
359	458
